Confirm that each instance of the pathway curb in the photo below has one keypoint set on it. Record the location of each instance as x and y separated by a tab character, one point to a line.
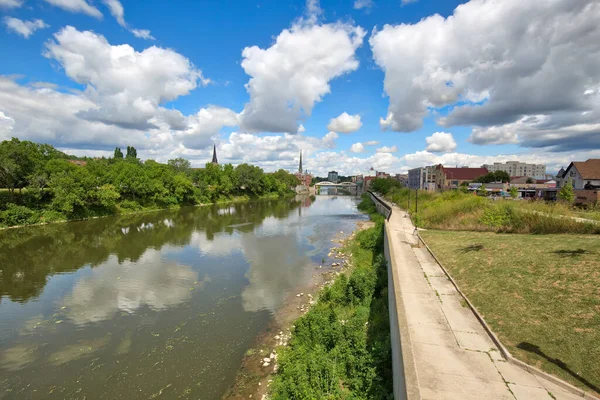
505	353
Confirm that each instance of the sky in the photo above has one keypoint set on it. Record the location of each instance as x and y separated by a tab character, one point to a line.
353	84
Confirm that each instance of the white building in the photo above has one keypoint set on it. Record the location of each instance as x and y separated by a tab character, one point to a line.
333	177
583	175
422	178
516	168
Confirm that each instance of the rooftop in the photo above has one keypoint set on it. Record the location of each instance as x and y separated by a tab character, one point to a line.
589	169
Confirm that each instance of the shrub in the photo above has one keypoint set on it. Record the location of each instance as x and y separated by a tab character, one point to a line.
498	215
18	215
130	205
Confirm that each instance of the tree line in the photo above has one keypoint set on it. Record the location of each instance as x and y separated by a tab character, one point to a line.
41	183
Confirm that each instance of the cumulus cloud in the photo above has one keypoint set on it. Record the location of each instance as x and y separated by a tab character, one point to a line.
127	86
441	142
24	28
371	143
77	6
388	149
288	78
205	125
11	3
357	148
345	123
359	4
497	77
143	34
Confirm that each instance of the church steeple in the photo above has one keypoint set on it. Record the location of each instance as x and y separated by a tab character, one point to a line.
214	159
300	166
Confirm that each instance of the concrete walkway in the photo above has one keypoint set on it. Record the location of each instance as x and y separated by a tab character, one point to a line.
454	357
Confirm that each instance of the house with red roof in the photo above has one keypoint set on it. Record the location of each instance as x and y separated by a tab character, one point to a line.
452	178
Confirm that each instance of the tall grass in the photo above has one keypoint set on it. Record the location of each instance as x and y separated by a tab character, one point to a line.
454	210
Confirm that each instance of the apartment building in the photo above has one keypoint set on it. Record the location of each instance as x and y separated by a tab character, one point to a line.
516	168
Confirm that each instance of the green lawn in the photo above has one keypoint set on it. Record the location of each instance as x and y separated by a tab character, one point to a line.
539	293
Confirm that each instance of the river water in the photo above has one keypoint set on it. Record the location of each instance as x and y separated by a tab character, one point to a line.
154	305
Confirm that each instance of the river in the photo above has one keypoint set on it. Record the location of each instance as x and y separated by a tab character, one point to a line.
154	305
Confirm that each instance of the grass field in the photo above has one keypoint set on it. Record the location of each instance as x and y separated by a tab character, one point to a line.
539	293
458	211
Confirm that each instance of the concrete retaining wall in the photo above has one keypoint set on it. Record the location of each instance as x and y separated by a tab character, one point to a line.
404	372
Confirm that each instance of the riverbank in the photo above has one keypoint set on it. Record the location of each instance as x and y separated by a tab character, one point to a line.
340	343
118	211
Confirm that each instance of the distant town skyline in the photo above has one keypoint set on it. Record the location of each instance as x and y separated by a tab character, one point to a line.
385	84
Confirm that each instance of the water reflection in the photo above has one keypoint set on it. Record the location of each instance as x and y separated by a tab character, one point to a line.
127	287
172	298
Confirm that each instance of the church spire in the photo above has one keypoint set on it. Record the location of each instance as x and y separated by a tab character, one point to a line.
214	159
300	166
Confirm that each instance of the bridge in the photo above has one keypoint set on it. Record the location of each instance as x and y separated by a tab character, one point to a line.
342	184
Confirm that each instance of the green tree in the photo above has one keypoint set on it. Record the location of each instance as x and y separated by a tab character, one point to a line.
514	192
71	189
566	192
530	180
180	165
497	176
18	161
131	152
107	196
250	178
384	185
118	155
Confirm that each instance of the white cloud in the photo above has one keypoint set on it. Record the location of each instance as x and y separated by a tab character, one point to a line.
388	149
205	125
357	148
408	1
142	34
441	142
345	123
288	78
301	129
11	3
497	77
358	4
6	125
77	6
117	11
371	143
24	28
127	86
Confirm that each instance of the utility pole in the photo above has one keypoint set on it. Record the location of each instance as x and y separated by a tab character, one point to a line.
417	201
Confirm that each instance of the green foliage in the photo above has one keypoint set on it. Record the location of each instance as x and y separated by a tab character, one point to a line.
384	185
498	176
482	191
341	348
180	165
498	216
566	192
17	215
105	186
514	192
131	152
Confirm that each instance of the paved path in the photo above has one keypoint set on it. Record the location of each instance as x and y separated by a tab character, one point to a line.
454	356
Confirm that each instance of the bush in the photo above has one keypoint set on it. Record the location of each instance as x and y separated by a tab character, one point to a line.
18	215
498	215
130	205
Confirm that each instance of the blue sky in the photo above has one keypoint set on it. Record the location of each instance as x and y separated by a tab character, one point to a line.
457	88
